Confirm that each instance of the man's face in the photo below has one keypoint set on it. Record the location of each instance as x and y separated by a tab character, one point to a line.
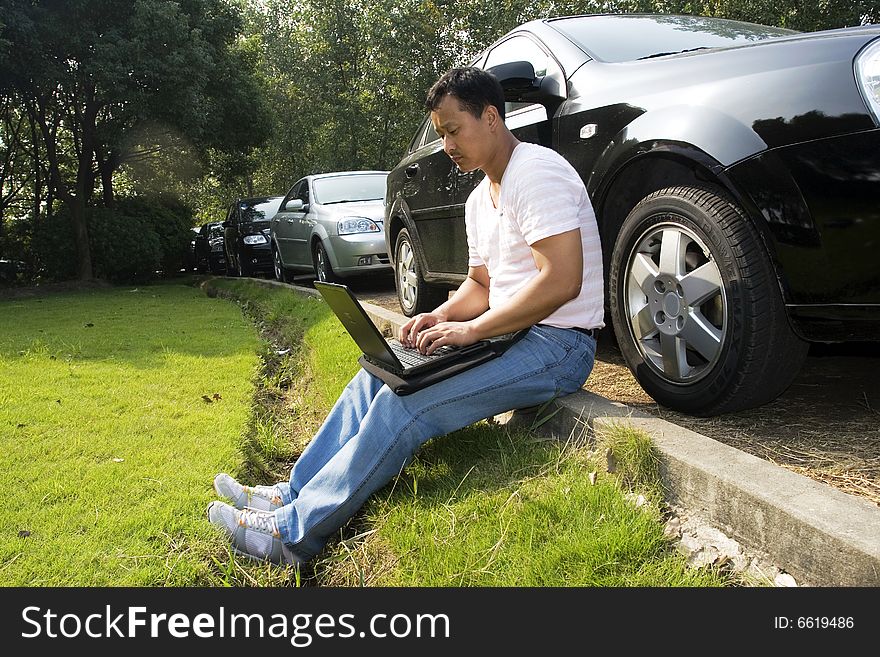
468	140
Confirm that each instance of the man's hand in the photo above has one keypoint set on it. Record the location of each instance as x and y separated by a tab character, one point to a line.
409	332
442	334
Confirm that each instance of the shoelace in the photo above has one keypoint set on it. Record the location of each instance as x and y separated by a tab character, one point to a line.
258	520
266	492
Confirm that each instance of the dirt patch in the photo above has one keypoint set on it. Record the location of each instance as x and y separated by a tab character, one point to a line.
826	426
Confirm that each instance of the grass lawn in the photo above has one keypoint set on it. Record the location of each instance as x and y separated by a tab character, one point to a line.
118	406
108	443
484	506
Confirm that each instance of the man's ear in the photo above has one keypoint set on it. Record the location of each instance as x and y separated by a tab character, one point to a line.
493	118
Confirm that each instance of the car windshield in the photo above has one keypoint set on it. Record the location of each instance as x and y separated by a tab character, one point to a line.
343	189
627	38
261	211
215	230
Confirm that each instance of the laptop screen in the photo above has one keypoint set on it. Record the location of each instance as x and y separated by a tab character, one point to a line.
357	323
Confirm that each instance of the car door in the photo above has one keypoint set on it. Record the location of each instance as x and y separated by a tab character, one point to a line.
436	212
230	234
283	227
301	227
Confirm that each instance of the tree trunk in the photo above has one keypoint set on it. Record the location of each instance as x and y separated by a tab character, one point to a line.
85	183
81	238
106	169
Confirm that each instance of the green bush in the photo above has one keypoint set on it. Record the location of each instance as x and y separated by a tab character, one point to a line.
54	248
124	248
170	218
130	242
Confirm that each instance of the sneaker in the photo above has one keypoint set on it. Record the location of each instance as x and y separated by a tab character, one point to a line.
263	498
254	534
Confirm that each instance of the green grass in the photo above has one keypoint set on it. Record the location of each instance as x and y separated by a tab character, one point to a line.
484	506
108	447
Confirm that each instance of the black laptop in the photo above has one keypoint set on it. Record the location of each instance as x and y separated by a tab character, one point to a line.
405	369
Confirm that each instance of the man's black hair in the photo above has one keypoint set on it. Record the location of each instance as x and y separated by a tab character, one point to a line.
474	88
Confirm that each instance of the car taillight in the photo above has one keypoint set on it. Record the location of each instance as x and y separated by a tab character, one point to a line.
868	77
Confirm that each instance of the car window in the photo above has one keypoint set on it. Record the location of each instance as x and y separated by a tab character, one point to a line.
292	194
524	114
599	36
430	135
258	211
522	48
341	189
303	192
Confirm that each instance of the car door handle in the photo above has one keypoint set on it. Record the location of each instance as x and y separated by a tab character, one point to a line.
411	170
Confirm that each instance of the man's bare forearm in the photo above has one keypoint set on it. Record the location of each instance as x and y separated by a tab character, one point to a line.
470	300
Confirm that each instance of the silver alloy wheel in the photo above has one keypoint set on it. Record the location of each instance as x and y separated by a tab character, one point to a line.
676	303
321	263
407	277
276	263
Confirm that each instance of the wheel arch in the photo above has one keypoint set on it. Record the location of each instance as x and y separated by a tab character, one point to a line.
399	218
320	237
670	165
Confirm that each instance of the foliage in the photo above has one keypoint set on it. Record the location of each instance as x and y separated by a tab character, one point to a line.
128	76
169	218
125	249
216	99
129	242
346	78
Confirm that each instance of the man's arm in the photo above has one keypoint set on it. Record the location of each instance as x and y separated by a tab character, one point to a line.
470	300
560	261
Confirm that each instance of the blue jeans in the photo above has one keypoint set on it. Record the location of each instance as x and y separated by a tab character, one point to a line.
371	434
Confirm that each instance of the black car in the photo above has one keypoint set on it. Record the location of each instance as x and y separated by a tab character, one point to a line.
11	271
208	247
246	234
735	173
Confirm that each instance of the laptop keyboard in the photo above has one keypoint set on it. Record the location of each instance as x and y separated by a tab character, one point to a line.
413	357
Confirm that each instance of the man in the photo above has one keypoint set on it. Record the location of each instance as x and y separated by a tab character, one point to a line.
534	261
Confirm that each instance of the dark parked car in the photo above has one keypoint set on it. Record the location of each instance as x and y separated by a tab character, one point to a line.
735	173
208	247
11	271
331	223
189	254
246	234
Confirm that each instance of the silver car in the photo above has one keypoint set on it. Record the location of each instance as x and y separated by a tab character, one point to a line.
331	223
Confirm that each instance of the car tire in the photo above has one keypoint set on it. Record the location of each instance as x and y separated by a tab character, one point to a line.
413	294
696	307
321	263
278	266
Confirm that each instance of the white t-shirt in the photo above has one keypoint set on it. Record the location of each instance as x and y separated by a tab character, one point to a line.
541	195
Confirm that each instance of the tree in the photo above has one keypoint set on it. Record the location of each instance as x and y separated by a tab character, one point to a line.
124	66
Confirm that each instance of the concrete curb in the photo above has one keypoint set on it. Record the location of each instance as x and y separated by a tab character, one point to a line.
820	535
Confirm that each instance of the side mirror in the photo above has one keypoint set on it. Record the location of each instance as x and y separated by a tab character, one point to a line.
515	77
294	205
226	224
520	84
